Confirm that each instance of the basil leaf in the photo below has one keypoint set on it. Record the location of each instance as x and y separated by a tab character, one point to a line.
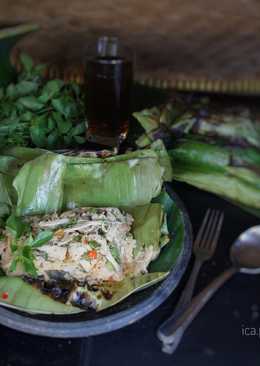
93	244
79	129
39	70
11	91
27	252
115	253
79	139
30	267
13	265
59	106
51	89
14	247
64	126
42	238
16	226
67	140
53	139
31	102
51	124
38	136
76	89
25	87
26	116
26	62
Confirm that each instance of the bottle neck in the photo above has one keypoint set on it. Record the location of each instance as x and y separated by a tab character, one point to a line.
107	47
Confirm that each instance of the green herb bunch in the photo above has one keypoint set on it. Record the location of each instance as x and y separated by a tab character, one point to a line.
24	243
42	113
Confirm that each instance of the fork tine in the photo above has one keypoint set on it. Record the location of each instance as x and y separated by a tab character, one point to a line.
212	230
202	228
215	233
204	240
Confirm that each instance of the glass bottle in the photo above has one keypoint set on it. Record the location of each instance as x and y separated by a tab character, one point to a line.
109	78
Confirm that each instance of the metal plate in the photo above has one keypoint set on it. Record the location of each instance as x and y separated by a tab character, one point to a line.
127	312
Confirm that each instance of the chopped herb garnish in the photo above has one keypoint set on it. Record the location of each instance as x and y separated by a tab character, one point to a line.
22	249
93	244
136	250
78	237
73	221
115	253
16	226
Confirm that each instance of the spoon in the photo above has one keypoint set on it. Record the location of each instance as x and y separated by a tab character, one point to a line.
245	258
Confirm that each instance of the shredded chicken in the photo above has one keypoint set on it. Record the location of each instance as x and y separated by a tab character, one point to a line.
89	244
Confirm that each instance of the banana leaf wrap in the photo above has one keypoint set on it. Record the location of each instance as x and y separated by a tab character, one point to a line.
230	172
11	161
158	269
236	125
149	228
52	181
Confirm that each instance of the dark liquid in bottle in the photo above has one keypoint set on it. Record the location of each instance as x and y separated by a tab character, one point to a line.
108	96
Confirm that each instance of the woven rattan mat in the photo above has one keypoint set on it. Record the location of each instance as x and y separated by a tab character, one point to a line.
187	44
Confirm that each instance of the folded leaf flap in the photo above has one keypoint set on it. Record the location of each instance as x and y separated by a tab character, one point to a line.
164	159
125	180
120	290
52	181
148	221
39	185
170	252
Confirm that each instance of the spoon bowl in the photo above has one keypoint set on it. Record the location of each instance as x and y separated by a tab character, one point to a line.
245	252
245	258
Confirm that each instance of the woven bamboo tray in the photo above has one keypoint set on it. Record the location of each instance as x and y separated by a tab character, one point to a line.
181	44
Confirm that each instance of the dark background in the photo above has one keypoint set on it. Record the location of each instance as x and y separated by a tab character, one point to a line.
214	338
174	40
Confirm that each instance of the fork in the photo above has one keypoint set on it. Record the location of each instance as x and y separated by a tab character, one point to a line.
203	250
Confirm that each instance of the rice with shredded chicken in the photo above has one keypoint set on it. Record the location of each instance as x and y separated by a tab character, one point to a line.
89	244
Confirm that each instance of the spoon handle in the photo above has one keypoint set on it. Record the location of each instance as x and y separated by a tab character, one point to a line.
171	332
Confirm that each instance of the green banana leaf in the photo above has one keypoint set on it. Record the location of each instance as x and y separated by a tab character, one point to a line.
148	223
175	224
39	185
218	169
51	182
158	269
24	297
164	159
11	160
119	291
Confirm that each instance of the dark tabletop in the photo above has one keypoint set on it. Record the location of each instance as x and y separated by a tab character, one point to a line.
216	336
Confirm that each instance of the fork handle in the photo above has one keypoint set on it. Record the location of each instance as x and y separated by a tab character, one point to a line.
184	300
172	330
188	290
